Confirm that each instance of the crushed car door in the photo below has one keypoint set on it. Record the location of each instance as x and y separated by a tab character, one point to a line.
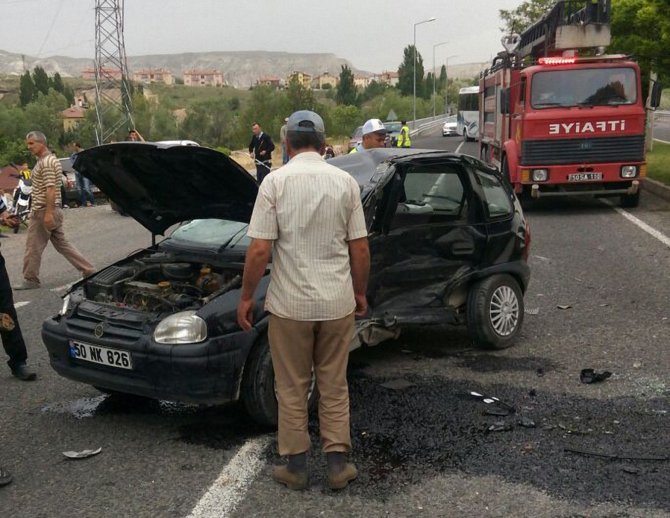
429	238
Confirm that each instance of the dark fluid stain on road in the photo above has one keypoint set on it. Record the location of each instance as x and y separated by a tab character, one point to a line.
498	363
401	437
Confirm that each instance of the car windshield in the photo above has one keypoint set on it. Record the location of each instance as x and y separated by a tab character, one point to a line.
451	119
208	232
393	126
584	87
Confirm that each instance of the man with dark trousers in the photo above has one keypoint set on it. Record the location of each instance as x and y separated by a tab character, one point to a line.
260	149
12	338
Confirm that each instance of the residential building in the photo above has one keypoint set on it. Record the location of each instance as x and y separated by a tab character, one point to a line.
301	77
203	78
319	82
361	81
271	81
72	117
389	78
153	75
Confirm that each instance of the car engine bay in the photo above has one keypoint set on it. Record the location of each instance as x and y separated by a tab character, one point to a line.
153	284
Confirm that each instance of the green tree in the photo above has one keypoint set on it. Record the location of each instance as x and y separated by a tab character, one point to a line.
346	90
428	86
442	80
519	19
298	97
373	90
406	73
57	83
642	28
27	91
41	80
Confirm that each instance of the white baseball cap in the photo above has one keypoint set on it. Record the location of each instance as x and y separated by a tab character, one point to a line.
374	126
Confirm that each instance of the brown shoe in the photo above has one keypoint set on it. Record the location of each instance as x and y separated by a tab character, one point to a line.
339	479
291	480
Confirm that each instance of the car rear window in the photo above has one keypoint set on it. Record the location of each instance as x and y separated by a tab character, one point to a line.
497	199
434	188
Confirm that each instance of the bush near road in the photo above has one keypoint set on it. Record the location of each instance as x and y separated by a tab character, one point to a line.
658	163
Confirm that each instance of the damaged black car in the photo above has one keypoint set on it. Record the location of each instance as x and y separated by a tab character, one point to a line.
448	241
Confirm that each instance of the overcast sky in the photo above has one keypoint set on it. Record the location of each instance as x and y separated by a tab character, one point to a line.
369	33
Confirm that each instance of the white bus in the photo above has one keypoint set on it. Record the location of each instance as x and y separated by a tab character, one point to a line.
468	112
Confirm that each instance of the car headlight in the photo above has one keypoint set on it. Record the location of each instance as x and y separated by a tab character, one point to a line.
181	328
540	175
629	171
66	305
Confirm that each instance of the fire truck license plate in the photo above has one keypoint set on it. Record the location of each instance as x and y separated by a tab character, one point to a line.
584	177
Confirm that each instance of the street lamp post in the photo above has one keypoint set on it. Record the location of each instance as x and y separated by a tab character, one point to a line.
446	86
435	73
414	67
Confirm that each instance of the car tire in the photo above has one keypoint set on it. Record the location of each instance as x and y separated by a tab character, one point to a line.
258	386
495	311
630	200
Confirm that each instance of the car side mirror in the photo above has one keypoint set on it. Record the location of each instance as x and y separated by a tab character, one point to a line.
504	101
656	92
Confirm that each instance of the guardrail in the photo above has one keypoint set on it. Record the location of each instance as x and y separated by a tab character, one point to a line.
426	124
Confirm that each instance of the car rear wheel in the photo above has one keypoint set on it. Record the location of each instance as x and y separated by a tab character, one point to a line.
630	200
258	386
495	311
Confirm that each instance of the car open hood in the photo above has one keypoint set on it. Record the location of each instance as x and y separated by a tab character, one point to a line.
160	185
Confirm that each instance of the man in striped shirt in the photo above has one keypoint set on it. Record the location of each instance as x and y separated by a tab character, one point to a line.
46	217
308	215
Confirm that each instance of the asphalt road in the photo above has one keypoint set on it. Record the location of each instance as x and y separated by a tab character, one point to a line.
662	126
423	450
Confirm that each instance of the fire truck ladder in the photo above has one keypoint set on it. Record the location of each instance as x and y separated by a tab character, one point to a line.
571	24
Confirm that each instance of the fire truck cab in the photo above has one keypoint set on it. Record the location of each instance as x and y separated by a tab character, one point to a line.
558	123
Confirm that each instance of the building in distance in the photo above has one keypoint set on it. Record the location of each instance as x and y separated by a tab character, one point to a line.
153	75
271	81
203	78
301	78
324	81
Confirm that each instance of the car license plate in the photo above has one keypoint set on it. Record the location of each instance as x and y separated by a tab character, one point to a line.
100	355
584	177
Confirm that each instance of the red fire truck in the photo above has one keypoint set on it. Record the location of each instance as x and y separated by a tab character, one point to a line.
558	116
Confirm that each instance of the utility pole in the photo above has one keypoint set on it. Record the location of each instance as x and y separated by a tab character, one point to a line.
113	103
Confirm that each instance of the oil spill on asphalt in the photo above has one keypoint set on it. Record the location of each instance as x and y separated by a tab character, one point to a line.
493	363
401	437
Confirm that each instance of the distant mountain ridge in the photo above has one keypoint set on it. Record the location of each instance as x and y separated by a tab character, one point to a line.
240	68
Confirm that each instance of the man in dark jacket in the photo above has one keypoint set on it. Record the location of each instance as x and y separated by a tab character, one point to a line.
260	149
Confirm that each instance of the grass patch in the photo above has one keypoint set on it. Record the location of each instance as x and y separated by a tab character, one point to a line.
658	163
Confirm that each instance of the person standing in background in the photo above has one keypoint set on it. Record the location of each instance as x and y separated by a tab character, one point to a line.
260	149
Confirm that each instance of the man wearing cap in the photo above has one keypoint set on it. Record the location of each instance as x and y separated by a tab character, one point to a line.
308	215
374	135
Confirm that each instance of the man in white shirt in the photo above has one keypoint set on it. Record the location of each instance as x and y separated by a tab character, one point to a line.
308	215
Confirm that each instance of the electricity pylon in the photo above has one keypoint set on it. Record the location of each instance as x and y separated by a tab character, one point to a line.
113	103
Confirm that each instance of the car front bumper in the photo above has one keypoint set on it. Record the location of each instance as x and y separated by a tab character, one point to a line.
206	373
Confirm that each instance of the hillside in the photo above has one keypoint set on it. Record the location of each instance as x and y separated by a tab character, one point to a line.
240	69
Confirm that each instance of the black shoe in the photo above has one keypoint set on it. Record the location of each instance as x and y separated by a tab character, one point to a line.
5	477
23	373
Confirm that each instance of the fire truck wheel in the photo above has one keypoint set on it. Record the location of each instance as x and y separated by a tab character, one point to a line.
630	200
495	312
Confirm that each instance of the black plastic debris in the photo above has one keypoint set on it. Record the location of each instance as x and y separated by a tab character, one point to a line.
591	376
499	408
632	470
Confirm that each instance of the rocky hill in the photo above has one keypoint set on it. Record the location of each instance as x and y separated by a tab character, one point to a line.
240	69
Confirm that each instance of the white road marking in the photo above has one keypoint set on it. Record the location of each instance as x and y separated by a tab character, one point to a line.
229	488
641	224
18	305
458	149
661	141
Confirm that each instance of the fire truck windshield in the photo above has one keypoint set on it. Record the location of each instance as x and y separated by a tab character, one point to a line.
584	87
